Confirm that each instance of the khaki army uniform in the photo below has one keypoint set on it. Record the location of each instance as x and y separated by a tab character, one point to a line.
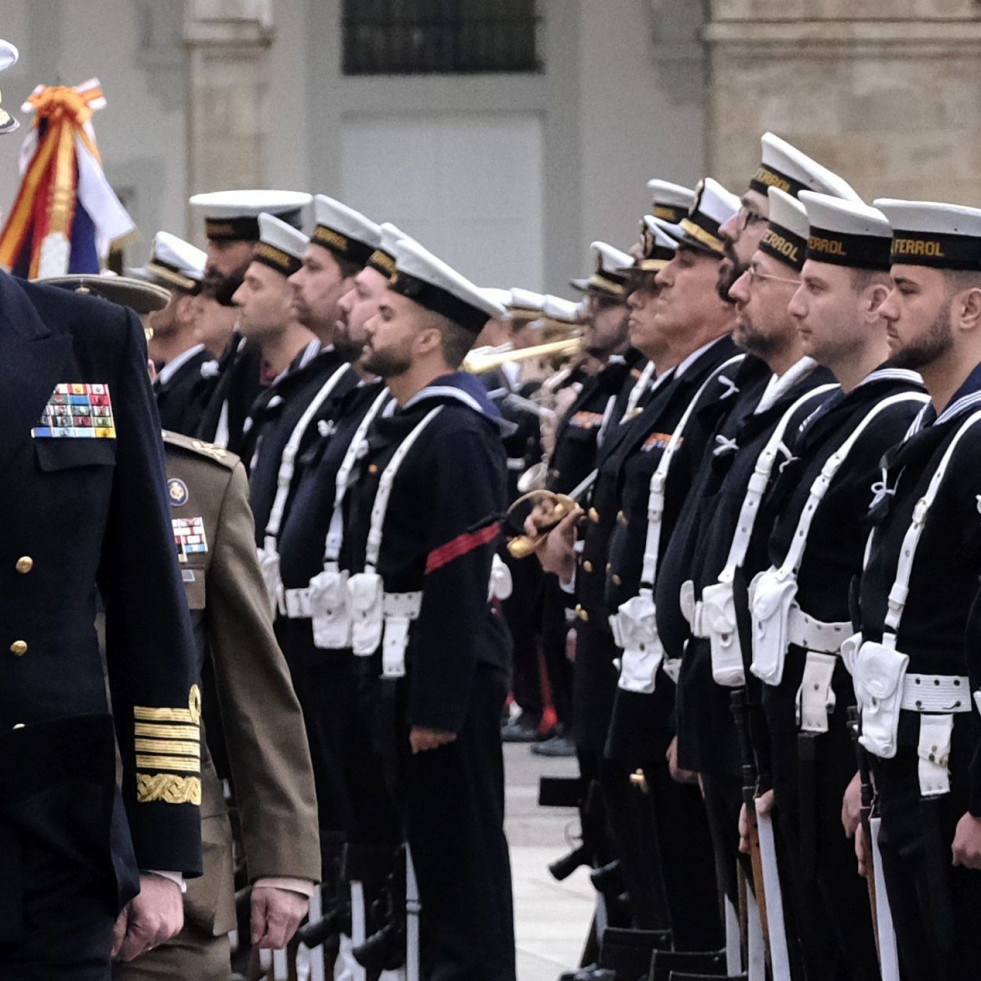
261	721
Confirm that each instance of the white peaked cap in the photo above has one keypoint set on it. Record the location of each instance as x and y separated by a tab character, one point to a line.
931	233
430	282
281	246
713	207
174	263
522	299
791	170
608	278
661	230
670	202
558	308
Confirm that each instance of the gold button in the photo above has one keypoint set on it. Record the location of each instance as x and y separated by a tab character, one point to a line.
621	517
372	468
24	564
617	581
594	516
587	565
19	647
581	613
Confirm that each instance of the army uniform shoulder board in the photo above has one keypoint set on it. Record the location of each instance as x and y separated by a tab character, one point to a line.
199	447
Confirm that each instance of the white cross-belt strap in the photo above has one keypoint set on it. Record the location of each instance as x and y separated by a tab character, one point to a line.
900	588
759	480
286	466
655	500
335	531
384	492
637	392
791	562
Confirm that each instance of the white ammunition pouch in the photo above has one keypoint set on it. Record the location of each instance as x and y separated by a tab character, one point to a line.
398	612
328	605
933	751
816	697
718	621
877	673
269	567
771	596
634	630
364	603
686	602
501	584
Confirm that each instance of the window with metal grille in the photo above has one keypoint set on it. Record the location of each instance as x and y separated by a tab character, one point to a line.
415	37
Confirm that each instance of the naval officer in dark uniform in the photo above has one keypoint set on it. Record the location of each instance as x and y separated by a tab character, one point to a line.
86	513
421	523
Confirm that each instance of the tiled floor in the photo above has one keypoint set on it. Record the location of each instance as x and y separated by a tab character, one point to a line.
551	918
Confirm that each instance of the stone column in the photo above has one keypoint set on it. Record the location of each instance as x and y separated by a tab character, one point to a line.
228	45
893	105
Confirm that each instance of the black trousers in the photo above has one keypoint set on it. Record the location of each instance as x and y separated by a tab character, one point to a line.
522	612
454	810
558	667
68	914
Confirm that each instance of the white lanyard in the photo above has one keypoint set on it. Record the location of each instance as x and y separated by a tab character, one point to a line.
384	492
822	482
758	484
285	476
655	500
335	532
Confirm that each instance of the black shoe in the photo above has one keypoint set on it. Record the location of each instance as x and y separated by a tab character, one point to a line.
519	730
590	973
555	747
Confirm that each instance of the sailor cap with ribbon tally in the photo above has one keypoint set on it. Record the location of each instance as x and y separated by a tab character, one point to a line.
344	231
670	202
712	208
383	258
233	215
786	167
928	233
8	57
173	263
846	233
608	278
785	238
280	246
430	282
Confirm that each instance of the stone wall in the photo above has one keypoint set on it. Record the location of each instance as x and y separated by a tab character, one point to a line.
886	92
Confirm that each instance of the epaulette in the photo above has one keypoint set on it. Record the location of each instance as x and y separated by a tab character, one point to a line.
201	448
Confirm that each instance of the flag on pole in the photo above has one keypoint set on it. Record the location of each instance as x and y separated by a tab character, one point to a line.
65	217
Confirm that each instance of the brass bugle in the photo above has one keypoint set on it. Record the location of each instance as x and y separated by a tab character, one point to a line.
481	361
521	546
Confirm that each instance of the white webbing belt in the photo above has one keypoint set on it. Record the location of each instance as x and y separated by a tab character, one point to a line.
804	630
268	554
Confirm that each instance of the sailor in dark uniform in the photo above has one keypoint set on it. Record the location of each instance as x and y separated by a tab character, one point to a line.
180	386
815	551
702	545
232	228
918	647
86	510
421	524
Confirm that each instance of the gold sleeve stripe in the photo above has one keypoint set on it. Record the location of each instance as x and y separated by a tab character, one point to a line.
168	746
172	731
167	787
163	714
168	763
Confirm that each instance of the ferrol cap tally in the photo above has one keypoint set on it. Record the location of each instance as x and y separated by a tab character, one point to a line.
712	208
280	246
608	279
929	233
430	282
343	231
785	238
789	169
670	202
234	215
174	264
383	258
846	233
657	247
